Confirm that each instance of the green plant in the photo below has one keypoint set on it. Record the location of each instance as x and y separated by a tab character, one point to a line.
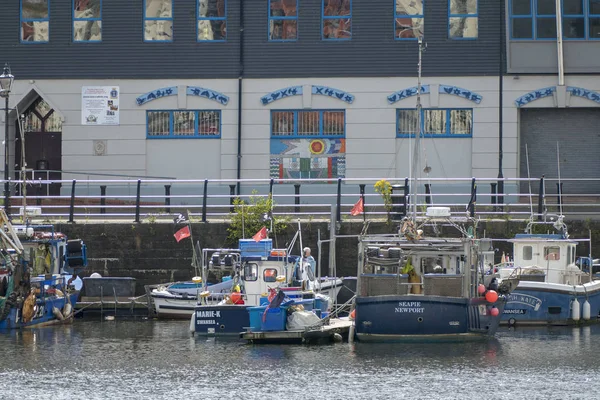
151	218
248	218
384	188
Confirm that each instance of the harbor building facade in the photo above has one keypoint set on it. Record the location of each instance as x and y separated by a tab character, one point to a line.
225	89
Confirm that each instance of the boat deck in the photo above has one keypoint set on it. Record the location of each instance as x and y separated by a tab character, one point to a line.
322	334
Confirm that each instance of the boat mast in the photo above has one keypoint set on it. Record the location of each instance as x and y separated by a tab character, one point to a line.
415	160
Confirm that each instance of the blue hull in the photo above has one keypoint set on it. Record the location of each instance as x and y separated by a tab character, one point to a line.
423	318
43	316
224	320
539	306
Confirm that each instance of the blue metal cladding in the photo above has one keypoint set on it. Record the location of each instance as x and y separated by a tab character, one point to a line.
124	52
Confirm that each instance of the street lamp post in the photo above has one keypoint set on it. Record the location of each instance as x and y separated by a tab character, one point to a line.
6	81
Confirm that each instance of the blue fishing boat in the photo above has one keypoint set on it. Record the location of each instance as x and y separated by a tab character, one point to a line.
258	271
419	285
552	289
39	268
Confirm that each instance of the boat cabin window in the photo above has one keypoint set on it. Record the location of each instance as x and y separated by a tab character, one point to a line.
552	253
570	255
270	275
250	272
527	253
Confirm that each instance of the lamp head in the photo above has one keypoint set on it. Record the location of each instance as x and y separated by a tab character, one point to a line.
6	81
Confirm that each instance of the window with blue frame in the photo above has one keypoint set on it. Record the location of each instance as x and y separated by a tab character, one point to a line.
536	19
87	20
212	20
451	122
308	123
409	20
337	19
283	20
184	124
158	20
35	21
463	19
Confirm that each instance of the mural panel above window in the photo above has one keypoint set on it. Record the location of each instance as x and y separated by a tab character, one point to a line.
87	20
283	20
308	144
436	122
536	19
35	21
337	19
183	124
158	20
212	20
462	19
409	19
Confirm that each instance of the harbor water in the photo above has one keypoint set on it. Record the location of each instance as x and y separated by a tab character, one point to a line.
160	360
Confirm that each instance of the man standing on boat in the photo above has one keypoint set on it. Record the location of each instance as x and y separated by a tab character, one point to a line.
305	270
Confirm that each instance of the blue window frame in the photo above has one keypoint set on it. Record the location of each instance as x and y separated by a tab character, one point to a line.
158	20
463	21
283	20
409	20
308	123
449	122
536	19
87	20
183	124
336	17
212	20
35	21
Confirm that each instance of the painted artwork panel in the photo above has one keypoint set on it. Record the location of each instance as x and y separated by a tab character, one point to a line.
308	158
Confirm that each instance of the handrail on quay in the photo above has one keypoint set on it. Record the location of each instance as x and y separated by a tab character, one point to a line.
160	199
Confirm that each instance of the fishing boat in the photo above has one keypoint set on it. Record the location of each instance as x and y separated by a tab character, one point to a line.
259	272
420	284
552	289
39	268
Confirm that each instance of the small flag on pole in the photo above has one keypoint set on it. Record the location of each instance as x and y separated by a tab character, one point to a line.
182	233
260	235
358	207
182	218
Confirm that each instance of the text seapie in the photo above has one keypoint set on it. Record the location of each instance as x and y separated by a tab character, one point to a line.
409	307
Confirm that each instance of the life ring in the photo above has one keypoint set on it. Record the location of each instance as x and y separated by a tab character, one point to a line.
197	279
280	278
206	293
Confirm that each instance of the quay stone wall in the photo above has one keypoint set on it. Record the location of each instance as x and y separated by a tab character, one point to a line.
149	252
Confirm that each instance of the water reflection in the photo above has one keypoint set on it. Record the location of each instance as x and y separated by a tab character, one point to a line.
156	359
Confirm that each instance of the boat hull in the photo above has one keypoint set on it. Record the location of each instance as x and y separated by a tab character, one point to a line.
44	315
221	320
425	318
173	307
541	303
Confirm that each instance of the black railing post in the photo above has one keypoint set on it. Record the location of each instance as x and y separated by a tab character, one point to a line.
38	201
231	197
493	195
559	191
473	200
271	188
428	193
204	199
137	200
362	197
167	199
297	197
102	199
500	194
406	198
339	201
541	199
72	207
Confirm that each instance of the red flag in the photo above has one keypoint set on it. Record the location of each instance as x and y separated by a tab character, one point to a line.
358	207
182	233
260	235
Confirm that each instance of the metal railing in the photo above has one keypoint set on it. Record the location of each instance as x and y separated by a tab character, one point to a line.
153	200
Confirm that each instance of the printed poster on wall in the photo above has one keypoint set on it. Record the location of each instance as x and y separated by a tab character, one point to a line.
100	105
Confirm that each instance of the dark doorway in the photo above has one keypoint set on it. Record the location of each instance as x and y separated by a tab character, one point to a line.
43	147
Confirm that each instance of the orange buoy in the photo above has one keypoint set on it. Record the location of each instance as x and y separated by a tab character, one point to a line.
353	314
494	312
235	297
491	296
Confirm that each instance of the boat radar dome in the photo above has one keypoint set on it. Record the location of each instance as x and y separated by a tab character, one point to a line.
438	212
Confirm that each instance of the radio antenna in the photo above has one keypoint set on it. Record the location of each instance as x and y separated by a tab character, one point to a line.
529	181
559	184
